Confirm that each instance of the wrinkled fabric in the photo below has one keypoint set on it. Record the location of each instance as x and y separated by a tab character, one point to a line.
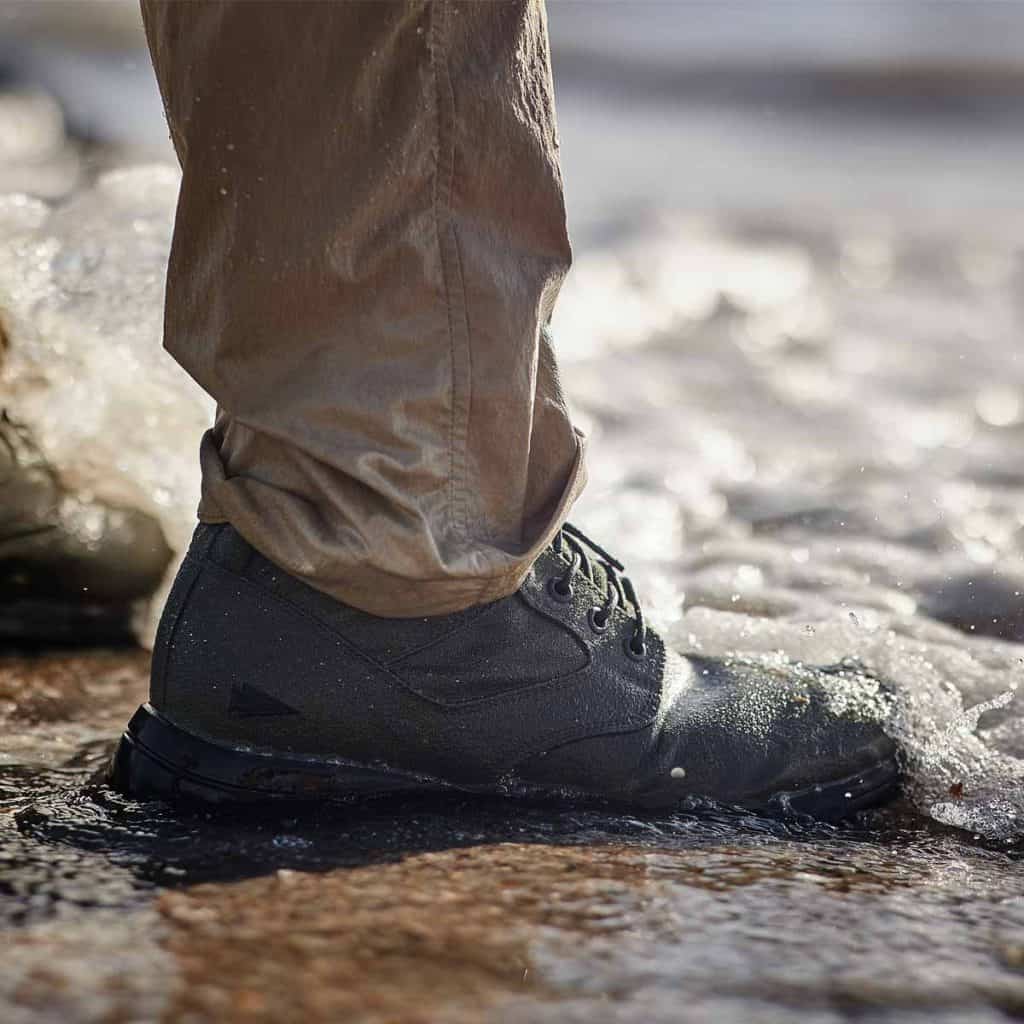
369	241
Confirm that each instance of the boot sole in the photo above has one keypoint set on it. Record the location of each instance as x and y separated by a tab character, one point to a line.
157	760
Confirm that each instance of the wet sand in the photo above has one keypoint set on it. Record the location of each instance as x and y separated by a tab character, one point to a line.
465	910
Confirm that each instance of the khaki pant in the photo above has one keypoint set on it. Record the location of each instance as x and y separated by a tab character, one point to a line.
370	238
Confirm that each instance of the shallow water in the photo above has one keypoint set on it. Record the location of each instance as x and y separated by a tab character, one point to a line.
805	442
462	910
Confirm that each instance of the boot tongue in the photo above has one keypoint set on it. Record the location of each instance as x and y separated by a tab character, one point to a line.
598	575
607	574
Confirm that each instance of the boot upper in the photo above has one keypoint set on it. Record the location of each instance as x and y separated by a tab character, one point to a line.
529	691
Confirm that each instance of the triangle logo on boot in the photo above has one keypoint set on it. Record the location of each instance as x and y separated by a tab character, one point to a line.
247	701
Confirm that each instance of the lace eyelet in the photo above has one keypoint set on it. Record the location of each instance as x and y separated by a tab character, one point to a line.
597	620
631	652
556	593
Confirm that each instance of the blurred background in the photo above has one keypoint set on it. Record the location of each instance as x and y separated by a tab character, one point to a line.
723	103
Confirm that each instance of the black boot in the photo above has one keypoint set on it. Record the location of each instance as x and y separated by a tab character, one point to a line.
264	688
70	571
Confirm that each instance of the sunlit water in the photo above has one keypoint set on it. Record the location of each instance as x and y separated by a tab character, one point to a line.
806	435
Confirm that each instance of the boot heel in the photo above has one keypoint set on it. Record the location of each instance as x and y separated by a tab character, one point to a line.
134	773
158	760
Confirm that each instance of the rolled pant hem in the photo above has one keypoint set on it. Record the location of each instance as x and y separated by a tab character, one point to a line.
376	593
389	595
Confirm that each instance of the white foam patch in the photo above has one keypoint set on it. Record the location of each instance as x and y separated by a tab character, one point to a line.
942	692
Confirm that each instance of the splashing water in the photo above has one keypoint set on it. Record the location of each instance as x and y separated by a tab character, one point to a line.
958	774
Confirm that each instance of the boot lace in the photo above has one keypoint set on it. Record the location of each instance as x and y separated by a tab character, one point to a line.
584	554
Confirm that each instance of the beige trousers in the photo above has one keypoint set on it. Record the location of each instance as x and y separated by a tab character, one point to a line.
370	237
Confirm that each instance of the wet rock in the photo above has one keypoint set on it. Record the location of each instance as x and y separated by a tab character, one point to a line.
71	570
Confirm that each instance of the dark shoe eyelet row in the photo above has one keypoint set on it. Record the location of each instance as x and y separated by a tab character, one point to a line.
595	617
635	653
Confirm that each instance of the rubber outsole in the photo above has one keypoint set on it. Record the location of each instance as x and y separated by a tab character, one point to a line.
157	760
840	798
